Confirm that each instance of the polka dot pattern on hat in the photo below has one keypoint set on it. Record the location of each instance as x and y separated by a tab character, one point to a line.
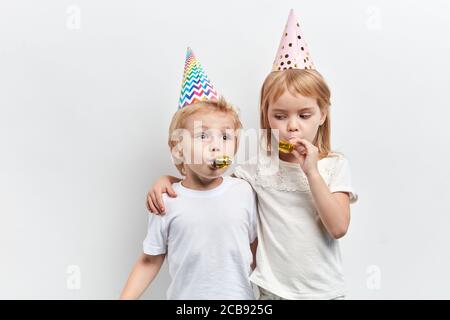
293	52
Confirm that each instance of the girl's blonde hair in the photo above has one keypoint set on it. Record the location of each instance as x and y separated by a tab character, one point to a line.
179	121
308	83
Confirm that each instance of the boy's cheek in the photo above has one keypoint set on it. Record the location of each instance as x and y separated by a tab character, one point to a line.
230	148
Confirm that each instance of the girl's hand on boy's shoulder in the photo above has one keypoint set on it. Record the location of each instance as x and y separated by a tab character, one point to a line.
155	203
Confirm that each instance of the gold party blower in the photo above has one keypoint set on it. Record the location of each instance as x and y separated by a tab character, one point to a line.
285	146
222	162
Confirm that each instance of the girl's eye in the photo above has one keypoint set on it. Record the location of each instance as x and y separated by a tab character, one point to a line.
305	116
279	117
226	137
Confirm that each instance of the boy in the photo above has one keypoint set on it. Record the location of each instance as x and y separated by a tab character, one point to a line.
207	229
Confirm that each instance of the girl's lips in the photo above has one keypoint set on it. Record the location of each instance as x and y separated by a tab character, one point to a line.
292	137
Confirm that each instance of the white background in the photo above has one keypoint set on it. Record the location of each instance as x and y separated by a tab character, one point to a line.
87	90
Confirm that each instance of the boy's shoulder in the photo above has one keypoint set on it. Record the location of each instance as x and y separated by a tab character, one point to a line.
240	184
233	193
246	169
230	185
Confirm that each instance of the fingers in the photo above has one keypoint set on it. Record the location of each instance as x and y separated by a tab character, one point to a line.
160	202
150	206
299	145
154	203
171	192
297	154
300	157
147	203
303	150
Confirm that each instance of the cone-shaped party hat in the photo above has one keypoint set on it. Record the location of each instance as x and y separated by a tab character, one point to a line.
196	85
293	52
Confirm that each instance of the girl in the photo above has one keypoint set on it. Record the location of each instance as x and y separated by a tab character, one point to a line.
303	196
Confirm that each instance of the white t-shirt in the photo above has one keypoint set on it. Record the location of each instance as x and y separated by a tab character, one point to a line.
207	236
296	257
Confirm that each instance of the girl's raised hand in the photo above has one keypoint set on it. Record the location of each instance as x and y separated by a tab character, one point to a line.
155	203
307	155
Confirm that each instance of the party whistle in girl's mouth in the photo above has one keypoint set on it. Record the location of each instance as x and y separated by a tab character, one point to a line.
285	147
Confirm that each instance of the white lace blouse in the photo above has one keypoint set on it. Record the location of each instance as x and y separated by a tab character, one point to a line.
296	257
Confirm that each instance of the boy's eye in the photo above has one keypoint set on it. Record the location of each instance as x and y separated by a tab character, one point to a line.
202	135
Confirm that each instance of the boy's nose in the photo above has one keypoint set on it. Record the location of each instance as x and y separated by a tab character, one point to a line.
214	145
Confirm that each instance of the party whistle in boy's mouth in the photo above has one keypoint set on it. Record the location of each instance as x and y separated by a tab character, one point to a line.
222	162
285	146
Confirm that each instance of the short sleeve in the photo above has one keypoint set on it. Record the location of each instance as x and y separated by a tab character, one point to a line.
341	179
155	242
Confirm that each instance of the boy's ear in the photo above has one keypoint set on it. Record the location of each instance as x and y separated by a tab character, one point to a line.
177	154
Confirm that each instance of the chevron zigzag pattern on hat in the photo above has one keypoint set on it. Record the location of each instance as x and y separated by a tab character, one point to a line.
196	85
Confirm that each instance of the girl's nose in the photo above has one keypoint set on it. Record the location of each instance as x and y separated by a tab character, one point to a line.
292	125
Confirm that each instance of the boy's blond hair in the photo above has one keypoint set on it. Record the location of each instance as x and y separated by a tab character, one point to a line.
308	83
179	121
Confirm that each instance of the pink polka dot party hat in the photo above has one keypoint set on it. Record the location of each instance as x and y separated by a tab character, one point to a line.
293	51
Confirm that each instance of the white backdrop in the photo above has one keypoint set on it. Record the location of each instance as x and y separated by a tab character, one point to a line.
87	89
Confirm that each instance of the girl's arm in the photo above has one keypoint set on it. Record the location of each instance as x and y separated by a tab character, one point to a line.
155	203
333	208
144	271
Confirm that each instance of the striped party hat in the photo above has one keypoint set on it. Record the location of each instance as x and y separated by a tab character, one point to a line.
196	85
293	52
